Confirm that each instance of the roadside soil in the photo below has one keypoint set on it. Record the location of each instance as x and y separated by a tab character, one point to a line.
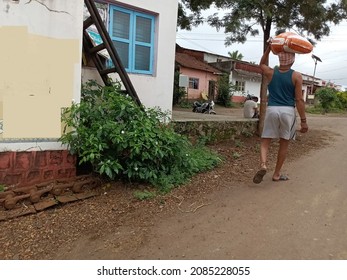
116	225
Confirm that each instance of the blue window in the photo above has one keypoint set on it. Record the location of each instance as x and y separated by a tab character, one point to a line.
132	34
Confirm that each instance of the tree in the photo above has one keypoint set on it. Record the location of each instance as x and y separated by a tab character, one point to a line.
245	17
235	55
327	97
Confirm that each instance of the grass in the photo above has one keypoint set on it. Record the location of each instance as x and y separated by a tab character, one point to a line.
317	109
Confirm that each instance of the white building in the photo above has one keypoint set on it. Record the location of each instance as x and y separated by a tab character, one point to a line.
40	58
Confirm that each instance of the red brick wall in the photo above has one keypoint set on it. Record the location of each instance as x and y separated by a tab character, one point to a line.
27	168
238	99
248	67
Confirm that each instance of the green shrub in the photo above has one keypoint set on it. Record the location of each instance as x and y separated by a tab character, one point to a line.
316	109
327	98
225	91
178	92
342	99
123	140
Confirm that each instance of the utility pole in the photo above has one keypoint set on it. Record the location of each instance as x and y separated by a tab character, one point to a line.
315	58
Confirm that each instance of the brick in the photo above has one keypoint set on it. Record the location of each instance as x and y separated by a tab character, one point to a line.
5	160
71	172
45	204
33	176
48	175
71	159
13	179
60	188
2	177
86	195
66	173
66	198
20	212
23	160
40	159
55	157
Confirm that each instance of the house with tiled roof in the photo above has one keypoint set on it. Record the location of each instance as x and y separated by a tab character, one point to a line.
201	76
245	76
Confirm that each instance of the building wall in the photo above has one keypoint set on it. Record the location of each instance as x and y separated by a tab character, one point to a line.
40	65
252	86
154	90
210	58
40	58
28	168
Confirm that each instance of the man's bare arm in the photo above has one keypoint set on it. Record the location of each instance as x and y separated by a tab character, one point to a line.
263	62
300	103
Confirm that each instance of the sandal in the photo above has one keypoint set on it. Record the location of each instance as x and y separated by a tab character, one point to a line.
258	177
281	178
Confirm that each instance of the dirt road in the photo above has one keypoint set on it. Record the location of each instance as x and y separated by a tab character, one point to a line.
303	218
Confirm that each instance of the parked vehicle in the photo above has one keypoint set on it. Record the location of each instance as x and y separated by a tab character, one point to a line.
204	108
249	97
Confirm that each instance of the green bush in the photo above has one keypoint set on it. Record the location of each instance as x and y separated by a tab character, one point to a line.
225	91
123	140
327	98
178	92
342	99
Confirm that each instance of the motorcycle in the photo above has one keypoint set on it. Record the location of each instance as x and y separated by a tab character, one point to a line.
249	97
204	108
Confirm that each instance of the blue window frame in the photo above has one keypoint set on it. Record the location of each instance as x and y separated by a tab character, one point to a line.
132	34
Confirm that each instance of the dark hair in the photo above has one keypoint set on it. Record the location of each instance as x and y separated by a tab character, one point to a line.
254	98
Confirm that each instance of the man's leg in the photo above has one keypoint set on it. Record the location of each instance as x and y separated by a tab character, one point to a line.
264	148
281	156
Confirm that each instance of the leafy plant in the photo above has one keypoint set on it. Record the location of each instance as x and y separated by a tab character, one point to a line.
342	99
178	92
327	97
184	103
225	91
123	140
2	188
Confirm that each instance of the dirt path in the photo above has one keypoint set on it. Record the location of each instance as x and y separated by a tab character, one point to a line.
304	218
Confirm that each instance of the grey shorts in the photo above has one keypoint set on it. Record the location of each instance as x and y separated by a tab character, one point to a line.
279	122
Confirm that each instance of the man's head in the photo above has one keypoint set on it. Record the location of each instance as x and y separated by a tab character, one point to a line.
286	58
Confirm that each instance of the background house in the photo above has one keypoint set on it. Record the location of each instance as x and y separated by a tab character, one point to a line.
202	78
246	77
40	58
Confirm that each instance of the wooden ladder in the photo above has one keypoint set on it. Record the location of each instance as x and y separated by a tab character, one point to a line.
107	44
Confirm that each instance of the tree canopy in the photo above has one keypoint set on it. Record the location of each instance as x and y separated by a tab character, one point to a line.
235	55
245	17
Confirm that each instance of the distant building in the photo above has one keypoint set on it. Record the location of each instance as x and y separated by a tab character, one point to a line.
202	77
247	77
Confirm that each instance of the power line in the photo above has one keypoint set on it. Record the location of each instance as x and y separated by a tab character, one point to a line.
196	44
254	40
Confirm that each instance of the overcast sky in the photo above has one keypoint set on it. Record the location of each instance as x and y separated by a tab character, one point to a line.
332	50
